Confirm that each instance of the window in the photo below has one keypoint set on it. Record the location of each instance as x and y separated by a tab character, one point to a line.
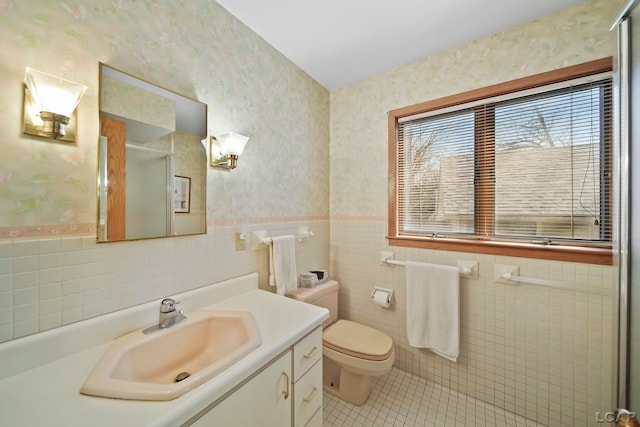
521	168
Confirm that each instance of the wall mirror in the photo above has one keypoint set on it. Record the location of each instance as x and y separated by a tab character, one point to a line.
152	164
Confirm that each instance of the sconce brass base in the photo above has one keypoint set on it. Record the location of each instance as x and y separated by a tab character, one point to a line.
54	125
45	124
225	162
218	160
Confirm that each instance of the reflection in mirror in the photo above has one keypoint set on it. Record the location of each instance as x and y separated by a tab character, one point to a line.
152	164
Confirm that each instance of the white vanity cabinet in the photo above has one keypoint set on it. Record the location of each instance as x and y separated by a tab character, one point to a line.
265	400
287	392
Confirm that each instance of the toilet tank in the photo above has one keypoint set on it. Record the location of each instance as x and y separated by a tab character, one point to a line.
324	295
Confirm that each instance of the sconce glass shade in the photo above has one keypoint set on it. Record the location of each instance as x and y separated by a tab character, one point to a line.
226	148
50	101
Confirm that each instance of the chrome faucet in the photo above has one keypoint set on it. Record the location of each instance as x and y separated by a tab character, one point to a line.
169	316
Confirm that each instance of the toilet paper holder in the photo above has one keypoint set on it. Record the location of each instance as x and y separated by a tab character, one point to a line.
382	296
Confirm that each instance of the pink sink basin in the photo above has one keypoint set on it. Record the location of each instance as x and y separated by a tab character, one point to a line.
170	362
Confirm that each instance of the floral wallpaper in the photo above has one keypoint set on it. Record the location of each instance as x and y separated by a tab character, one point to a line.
192	47
358	111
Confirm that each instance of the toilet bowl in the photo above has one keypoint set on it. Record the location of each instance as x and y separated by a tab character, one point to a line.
353	353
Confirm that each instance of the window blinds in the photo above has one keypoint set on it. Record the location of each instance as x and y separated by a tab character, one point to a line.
528	166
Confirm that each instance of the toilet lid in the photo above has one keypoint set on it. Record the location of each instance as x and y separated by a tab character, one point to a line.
357	340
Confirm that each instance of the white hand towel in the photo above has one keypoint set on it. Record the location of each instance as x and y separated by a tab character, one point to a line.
433	308
282	263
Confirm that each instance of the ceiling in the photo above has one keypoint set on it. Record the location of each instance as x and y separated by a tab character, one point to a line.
338	42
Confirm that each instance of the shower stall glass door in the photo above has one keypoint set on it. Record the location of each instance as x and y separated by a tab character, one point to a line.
149	193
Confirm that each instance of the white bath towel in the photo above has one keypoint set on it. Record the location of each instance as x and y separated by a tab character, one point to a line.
282	263
433	308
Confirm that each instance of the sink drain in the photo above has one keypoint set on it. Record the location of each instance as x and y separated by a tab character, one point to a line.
181	376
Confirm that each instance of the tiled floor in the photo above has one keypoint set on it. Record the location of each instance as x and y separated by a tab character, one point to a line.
402	399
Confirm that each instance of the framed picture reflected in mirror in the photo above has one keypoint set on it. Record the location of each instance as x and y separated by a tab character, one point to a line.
181	194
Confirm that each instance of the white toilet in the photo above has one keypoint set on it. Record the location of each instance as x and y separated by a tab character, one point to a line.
353	353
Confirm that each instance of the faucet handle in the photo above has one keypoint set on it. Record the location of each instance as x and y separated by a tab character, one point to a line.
167	305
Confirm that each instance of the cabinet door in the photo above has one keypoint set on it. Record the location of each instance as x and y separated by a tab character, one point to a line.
308	395
316	420
264	401
306	353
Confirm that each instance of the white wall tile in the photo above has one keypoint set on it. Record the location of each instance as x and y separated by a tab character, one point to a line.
70	244
25	296
70	258
25	327
6	249
50	321
6	282
25	247
64	280
26	311
71	315
25	279
49	260
6	266
538	352
526	348
48	246
25	263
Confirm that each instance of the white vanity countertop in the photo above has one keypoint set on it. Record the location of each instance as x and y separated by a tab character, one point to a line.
48	395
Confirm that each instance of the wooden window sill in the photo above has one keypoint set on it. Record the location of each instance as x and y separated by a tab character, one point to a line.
567	253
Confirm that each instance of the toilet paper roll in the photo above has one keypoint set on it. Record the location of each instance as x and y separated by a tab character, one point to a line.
382	298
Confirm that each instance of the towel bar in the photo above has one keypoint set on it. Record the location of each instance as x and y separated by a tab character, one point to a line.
259	239
556	284
462	270
508	275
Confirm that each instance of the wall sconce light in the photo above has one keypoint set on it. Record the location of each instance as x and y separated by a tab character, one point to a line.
226	148
49	105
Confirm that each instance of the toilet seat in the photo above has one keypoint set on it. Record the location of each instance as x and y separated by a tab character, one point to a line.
358	340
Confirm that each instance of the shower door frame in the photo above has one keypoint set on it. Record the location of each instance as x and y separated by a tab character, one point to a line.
625	212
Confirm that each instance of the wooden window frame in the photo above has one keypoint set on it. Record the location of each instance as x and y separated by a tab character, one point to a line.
573	252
